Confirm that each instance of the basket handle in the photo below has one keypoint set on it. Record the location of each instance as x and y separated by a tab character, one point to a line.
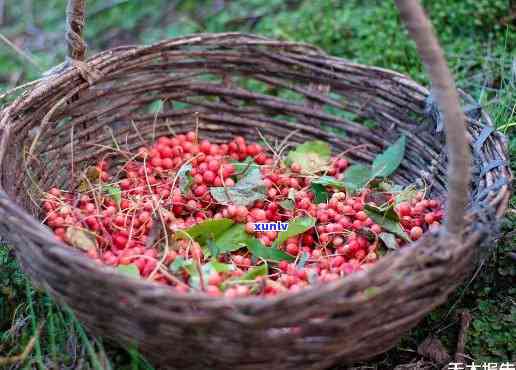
431	54
420	29
75	20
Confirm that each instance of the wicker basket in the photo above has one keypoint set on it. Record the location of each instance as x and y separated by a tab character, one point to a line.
69	118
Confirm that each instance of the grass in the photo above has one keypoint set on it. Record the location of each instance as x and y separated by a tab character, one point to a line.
479	44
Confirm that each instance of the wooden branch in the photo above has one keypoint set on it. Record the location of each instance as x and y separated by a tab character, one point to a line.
447	98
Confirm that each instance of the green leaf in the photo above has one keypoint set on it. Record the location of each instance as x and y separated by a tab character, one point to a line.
241	168
232	239
207	229
356	177
329	181
246	191
295	227
407	194
129	270
288	204
386	210
222	267
179	263
387	219
312	156
208	270
267	253
386	163
212	249
114	193
389	240
390	188
251	274
321	195
184	178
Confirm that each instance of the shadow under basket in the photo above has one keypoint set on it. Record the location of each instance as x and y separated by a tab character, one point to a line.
226	85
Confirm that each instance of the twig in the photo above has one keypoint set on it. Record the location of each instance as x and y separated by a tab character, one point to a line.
21	53
26	352
447	97
465	321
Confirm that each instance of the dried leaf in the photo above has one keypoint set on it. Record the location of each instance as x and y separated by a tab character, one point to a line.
433	349
377	198
90	177
80	238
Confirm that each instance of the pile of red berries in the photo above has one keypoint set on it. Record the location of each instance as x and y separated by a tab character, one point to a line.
138	215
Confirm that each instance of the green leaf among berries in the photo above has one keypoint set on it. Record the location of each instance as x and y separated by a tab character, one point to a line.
389	240
290	202
207	270
179	263
387	218
129	270
231	240
250	275
254	272
184	178
246	191
356	177
205	230
312	156
295	227
321	195
114	193
267	253
387	162
329	181
242	168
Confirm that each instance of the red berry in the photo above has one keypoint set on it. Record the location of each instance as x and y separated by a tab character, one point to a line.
416	232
